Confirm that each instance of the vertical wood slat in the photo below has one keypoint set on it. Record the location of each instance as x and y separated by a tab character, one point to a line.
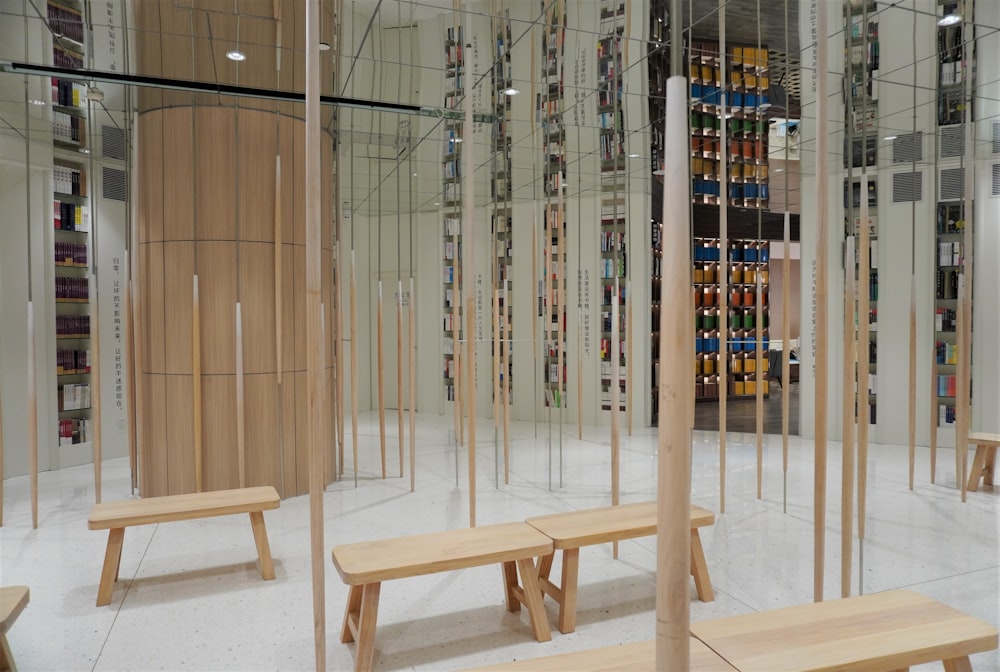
315	347
380	338
241	446
354	362
199	483
847	455
628	356
278	277
759	382
616	474
32	391
508	334
912	402
470	314
95	387
413	385
786	365
399	371
132	372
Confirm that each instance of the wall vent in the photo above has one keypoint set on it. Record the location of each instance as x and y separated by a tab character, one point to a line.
114	184
952	141
995	188
952	184
908	147
112	143
907	187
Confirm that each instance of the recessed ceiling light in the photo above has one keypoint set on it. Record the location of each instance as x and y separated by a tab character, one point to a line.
236	55
35	101
414	174
324	46
458	139
889	137
633	156
437	202
84	150
779	170
949	20
661	171
511	91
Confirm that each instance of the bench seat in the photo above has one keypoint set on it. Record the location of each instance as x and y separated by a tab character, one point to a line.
116	516
13	600
872	633
572	529
635	657
984	461
365	565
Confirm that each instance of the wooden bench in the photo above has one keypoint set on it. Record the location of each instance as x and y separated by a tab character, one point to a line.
116	516
984	463
884	631
365	565
13	599
573	529
636	657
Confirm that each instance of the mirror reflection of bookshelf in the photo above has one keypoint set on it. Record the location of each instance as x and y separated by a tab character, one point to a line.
451	206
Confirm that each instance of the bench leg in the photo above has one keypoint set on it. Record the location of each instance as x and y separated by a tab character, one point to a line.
545	565
569	580
990	467
263	548
958	665
510	586
699	569
6	657
112	557
351	613
365	652
976	472
533	599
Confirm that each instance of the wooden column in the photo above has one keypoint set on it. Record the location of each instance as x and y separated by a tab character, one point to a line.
673	546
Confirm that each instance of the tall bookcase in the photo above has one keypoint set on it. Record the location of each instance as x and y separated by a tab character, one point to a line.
614	259
502	195
71	252
549	109
451	208
860	157
950	217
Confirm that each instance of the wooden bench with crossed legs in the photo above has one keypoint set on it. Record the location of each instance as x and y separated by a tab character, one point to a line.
13	600
116	516
573	529
984	462
365	565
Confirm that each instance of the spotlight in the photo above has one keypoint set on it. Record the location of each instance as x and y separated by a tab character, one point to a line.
511	91
236	55
949	20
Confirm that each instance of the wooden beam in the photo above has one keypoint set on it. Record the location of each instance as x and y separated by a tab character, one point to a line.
673	544
315	346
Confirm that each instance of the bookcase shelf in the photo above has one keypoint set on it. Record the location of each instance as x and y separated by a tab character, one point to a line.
71	254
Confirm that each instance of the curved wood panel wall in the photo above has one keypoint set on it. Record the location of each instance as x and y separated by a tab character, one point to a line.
206	207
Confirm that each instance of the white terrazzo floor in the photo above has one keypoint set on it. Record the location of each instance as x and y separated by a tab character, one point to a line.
189	596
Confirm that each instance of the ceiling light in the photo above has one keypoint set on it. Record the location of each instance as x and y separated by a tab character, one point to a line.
236	55
437	202
95	94
35	101
889	137
949	20
633	156
511	91
458	139
414	174
779	170
84	150
324	46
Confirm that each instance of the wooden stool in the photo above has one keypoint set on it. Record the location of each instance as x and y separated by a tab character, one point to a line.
12	602
984	463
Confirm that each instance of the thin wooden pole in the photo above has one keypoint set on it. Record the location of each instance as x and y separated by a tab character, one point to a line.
470	312
496	353
196	383
847	429
786	367
381	377
1	458
864	338
95	387
469	268
723	368
136	361
822	300
628	356
965	297
399	371
315	346
509	333
241	446
32	417
673	544
912	406
759	379
412	320
339	316
615	429
279	276
354	364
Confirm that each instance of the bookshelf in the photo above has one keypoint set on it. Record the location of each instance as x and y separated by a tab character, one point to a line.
71	224
860	157
948	262
613	243
451	208
746	125
502	196
549	107
749	264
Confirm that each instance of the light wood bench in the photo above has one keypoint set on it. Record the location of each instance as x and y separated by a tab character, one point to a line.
13	599
116	516
984	463
883	631
573	529
636	657
365	565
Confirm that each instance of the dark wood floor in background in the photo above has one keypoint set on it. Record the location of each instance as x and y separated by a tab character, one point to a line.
741	414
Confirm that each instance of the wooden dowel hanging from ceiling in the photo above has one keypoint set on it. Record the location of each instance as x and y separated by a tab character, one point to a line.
196	407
